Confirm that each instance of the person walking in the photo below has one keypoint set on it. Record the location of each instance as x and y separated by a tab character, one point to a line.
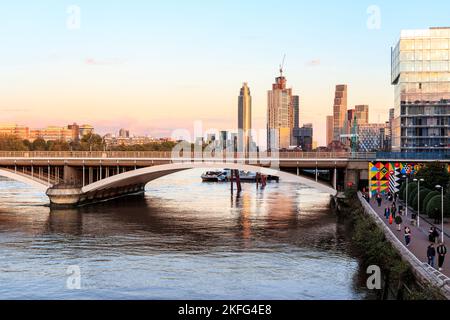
435	235
431	236
441	251
431	254
394	210
407	236
379	199
387	213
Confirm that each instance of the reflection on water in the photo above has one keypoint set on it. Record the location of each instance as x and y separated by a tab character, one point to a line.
184	240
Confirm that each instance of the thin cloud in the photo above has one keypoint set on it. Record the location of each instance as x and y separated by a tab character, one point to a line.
18	110
97	62
313	63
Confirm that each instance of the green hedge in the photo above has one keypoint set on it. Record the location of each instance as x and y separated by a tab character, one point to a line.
434	206
401	191
412	191
427	199
423	194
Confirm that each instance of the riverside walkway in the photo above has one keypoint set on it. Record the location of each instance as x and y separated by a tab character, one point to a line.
419	239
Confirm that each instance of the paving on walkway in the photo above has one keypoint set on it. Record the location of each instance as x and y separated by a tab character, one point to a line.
419	236
424	219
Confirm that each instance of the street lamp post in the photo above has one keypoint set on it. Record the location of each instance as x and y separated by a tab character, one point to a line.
406	209
418	200
442	211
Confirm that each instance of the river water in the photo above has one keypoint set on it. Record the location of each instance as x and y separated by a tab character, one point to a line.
184	240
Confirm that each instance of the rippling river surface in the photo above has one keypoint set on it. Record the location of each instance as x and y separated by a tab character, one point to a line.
184	240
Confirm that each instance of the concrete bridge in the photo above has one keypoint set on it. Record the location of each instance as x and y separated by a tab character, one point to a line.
74	178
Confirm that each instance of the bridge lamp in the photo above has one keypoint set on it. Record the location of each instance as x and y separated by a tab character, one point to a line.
407	181
418	199
442	210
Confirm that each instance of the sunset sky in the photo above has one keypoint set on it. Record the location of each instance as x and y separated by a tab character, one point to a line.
155	66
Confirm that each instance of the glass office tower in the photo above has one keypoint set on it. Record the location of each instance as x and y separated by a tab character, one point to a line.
421	76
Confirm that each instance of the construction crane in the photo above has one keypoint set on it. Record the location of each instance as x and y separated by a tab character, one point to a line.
282	65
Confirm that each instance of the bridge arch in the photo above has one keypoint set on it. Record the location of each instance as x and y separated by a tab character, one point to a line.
33	182
148	174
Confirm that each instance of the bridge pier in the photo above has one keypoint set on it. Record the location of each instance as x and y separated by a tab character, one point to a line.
351	178
64	196
71	175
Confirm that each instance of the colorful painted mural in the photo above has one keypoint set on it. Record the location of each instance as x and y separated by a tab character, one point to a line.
386	176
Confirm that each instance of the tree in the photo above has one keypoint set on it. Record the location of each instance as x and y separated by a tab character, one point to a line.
75	146
92	142
434	174
11	143
39	145
28	145
58	145
153	146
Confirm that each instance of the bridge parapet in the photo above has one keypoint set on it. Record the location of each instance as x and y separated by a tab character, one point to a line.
181	155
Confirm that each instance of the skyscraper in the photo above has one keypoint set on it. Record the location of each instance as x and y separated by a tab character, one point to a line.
295	139
350	120
339	111
296	109
224	139
421	76
280	115
330	129
355	117
362	114
391	127
244	118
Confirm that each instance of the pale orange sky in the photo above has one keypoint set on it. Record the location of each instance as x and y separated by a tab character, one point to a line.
122	95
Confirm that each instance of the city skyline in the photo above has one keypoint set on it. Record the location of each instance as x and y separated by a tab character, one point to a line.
48	68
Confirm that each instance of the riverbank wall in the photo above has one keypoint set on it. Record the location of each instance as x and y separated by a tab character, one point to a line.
424	273
404	277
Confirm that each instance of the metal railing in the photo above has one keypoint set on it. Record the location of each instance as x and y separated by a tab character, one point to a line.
369	156
413	155
170	155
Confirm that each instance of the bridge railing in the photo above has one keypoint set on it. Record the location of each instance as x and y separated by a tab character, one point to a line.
413	155
193	155
369	156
